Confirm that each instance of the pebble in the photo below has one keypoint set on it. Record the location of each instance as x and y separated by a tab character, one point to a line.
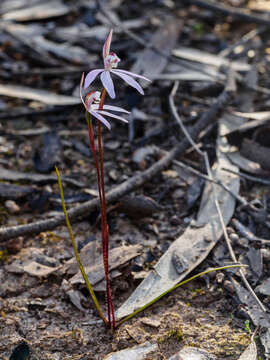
12	207
229	286
220	278
193	353
178	194
234	237
112	144
113	174
138	352
151	322
175	220
266	254
15	245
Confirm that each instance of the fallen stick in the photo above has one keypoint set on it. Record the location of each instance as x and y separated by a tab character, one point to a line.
136	181
240	14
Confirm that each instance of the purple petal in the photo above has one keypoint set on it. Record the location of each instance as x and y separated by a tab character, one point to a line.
90	77
132	74
128	79
115	108
101	118
112	115
108	83
81	96
107	44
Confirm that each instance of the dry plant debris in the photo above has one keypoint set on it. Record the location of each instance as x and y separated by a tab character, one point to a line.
154	205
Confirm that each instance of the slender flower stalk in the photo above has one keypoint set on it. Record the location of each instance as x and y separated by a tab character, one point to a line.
105	228
94	103
96	110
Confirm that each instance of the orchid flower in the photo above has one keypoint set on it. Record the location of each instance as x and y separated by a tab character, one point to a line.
111	61
91	101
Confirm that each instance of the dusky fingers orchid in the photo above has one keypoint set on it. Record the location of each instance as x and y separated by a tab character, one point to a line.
91	103
111	61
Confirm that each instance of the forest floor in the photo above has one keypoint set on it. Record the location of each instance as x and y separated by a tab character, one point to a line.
46	311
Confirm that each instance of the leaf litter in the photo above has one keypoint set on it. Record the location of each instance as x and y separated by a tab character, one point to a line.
42	305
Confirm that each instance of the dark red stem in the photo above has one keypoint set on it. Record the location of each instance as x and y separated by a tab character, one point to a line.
105	228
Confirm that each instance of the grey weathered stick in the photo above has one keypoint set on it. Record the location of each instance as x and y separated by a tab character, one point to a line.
136	181
236	13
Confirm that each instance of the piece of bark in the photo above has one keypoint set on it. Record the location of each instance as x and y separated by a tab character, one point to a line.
10	175
250	353
74	54
8	5
138	352
256	152
236	13
27	112
193	353
49	154
260	118
82	31
139	206
46	10
26	36
209	59
14	192
36	269
46	97
118	257
264	288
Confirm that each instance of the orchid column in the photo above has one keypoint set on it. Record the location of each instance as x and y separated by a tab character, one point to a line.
93	102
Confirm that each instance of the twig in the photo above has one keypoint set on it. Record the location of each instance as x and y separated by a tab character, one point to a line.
244	231
232	11
178	119
244	39
249	177
136	181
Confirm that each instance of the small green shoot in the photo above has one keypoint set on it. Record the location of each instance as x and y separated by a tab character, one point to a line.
198	28
247	328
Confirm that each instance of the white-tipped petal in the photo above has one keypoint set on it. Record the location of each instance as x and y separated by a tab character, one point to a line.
112	115
81	95
133	74
129	80
101	118
115	108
